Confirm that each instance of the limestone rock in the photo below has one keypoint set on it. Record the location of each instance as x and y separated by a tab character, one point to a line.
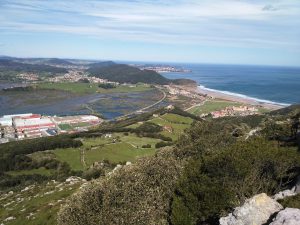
255	211
288	216
285	193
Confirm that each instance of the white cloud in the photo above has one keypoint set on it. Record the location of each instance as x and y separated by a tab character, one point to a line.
212	22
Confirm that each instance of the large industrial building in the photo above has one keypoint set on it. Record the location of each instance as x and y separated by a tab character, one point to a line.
20	126
32	122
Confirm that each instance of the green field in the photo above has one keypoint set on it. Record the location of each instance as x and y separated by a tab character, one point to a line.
72	126
177	122
118	152
70	156
88	88
78	88
118	148
211	106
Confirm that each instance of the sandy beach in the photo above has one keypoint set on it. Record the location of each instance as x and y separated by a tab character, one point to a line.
245	100
234	98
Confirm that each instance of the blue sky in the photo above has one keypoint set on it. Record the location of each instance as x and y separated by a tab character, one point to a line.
200	31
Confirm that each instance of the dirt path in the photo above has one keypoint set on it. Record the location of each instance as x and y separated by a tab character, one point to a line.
82	158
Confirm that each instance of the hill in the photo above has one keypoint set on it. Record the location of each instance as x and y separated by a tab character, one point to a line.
215	166
8	65
57	61
127	74
98	65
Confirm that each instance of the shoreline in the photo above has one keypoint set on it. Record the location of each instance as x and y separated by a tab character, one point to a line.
236	98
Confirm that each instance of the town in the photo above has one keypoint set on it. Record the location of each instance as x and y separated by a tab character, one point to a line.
235	111
162	68
28	126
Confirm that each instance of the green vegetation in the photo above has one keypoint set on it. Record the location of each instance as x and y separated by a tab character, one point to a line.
213	105
117	148
78	88
107	86
70	156
88	88
10	68
40	171
137	194
13	154
174	125
116	153
231	176
291	202
214	166
37	205
65	126
127	74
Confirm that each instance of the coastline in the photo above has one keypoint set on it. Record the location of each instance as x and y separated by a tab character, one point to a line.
227	96
239	98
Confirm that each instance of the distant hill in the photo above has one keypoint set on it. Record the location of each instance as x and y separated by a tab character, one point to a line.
101	64
128	74
11	65
58	61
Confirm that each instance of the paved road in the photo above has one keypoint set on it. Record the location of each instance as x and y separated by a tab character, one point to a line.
147	107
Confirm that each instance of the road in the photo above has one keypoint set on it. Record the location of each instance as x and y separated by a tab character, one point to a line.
200	104
147	107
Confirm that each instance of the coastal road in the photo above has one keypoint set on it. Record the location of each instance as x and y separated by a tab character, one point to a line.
200	104
147	107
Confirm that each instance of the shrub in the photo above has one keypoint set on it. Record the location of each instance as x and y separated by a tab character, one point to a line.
214	183
138	194
163	144
146	146
92	173
149	127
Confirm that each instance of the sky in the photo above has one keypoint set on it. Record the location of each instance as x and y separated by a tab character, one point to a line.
261	32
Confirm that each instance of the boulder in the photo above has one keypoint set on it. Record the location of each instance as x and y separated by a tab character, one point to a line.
255	211
288	216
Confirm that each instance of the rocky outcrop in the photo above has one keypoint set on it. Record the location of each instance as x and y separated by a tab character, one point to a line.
288	216
255	211
285	193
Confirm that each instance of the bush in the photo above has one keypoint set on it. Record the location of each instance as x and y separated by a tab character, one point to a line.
12	154
148	127
163	144
138	194
216	182
146	146
92	173
107	86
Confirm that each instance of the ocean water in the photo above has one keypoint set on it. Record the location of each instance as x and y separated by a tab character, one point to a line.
280	85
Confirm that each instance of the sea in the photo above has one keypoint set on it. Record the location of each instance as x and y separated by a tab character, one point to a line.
269	84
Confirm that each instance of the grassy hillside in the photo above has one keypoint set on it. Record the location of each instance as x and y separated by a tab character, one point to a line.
213	168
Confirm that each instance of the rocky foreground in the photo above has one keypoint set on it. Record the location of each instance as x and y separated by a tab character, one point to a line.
262	210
